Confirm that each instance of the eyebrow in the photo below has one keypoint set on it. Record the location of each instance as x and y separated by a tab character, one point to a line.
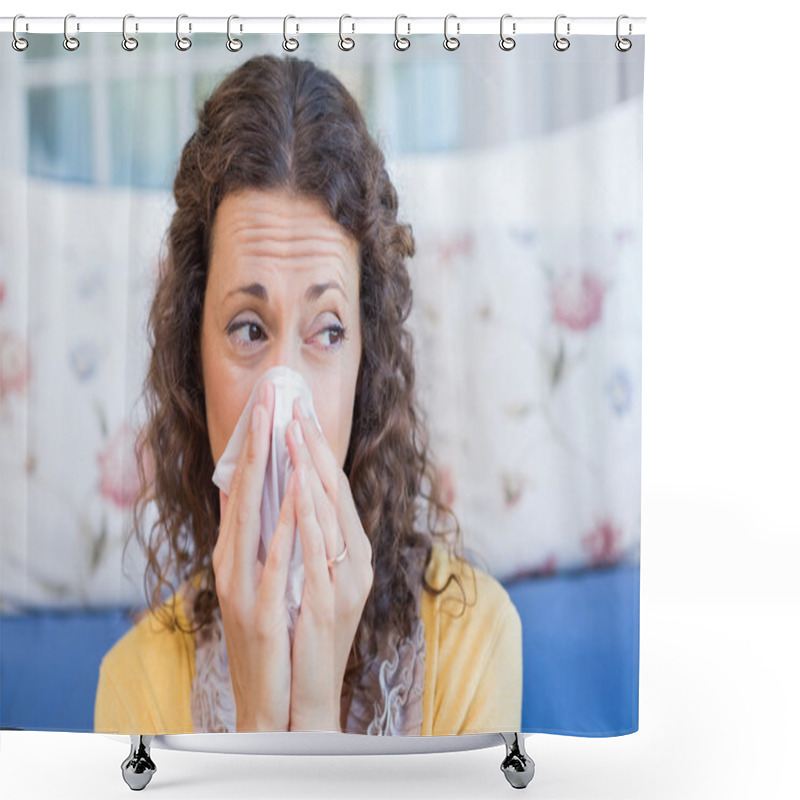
313	292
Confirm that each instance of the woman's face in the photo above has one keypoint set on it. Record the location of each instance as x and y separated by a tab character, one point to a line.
283	282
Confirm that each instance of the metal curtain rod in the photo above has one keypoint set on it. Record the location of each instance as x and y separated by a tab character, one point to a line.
459	26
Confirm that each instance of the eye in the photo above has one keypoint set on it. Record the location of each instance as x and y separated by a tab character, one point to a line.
254	333
251	328
337	331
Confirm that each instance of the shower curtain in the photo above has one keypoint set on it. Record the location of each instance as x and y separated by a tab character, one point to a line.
518	173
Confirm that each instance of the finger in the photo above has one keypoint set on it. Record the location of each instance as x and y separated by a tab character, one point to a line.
334	481
220	546
319	450
247	486
323	508
223	502
315	559
224	545
275	573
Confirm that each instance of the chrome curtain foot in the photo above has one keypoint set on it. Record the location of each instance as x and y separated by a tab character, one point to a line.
517	766
138	767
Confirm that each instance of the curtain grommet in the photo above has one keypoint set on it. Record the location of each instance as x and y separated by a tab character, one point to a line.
70	42
233	44
507	42
345	42
183	43
623	45
400	42
451	42
129	43
561	43
18	42
288	44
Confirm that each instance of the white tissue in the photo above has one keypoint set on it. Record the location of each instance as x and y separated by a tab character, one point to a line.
288	385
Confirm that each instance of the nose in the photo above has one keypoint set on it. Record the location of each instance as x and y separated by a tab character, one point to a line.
285	352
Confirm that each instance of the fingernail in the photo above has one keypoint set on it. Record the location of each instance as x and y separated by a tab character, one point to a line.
301	474
298	433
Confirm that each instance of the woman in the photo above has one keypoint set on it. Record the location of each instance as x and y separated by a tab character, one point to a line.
285	248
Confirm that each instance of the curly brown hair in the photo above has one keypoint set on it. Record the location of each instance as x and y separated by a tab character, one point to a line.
285	123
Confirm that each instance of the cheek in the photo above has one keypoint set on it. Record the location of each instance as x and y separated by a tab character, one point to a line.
220	400
330	423
210	383
335	417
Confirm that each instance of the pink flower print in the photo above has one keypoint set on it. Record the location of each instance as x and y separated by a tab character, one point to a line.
119	476
14	364
447	485
455	247
623	235
602	544
146	455
543	569
547	567
577	300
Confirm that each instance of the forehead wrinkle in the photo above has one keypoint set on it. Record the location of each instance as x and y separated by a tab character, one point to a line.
277	233
339	257
337	262
260	248
289	241
288	226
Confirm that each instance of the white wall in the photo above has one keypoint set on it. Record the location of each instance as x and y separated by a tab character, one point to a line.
721	533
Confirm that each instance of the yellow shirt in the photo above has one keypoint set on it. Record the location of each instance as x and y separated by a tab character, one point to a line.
473	663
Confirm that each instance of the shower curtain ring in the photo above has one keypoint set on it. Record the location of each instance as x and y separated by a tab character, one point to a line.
561	43
233	44
451	42
70	42
507	42
18	43
346	43
128	42
623	45
182	42
400	42
289	44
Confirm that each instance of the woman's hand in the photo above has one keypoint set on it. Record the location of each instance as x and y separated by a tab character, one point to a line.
333	597
251	597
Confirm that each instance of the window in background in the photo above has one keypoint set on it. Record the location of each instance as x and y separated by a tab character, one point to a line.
143	131
60	133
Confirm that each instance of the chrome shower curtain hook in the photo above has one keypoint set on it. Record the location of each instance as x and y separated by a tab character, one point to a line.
507	42
400	42
623	45
128	42
70	42
451	42
18	43
289	44
233	44
561	43
182	42
346	43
